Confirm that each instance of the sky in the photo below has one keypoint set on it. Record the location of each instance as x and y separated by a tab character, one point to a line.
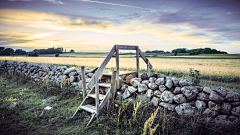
98	25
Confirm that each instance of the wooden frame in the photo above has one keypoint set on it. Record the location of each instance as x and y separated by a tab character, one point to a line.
116	49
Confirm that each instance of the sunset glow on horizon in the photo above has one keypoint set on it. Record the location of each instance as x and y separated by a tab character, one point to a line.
86	25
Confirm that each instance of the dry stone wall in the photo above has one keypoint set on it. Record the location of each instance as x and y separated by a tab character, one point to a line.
182	97
59	75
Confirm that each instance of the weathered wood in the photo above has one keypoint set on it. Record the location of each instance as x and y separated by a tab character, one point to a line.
113	83
83	81
92	119
120	73
126	47
137	59
148	64
89	108
96	95
144	58
101	96
108	85
117	65
103	65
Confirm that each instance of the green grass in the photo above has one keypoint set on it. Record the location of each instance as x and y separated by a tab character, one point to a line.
26	120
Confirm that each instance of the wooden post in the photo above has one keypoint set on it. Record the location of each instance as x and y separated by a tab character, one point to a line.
111	93
97	95
148	66
117	65
83	81
137	57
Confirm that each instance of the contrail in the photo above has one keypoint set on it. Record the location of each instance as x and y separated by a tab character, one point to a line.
116	4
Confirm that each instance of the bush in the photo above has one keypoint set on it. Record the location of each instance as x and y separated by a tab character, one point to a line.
56	54
36	54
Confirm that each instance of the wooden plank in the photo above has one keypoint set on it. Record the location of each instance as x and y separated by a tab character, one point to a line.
126	47
89	108
120	73
83	81
96	94
108	85
111	93
148	69
137	60
144	58
117	65
92	119
101	96
103	65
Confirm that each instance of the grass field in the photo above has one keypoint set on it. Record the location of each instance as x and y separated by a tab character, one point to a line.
26	118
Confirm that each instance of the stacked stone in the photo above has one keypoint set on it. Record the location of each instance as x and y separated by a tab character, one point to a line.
184	98
50	74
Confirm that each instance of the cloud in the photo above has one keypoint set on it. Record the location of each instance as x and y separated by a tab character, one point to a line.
58	2
228	13
115	4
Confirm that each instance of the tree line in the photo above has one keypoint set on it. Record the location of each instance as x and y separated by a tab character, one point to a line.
9	51
191	51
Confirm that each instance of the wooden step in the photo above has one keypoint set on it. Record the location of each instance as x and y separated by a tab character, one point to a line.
101	96
108	85
120	73
89	108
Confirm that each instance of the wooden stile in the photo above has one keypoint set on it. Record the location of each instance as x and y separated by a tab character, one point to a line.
83	82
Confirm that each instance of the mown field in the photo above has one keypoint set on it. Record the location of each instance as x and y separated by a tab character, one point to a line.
26	118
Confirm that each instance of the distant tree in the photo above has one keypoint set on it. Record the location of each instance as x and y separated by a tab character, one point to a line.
72	51
56	54
34	53
175	53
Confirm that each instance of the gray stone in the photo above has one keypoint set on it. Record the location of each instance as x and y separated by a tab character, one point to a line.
152	75
135	82
210	113
207	90
90	75
190	92
87	68
126	94
160	81
236	111
175	82
226	108
152	79
179	99
167	96
232	96
87	80
144	76
168	106
53	98
157	93
152	86
162	88
221	91
149	93
145	82
203	96
214	106
69	70
14	105
169	84
142	87
72	79
215	97
155	101
132	89
124	87
87	71
177	90
200	89
226	120
185	109
185	82
200	105
72	74
159	75
235	103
